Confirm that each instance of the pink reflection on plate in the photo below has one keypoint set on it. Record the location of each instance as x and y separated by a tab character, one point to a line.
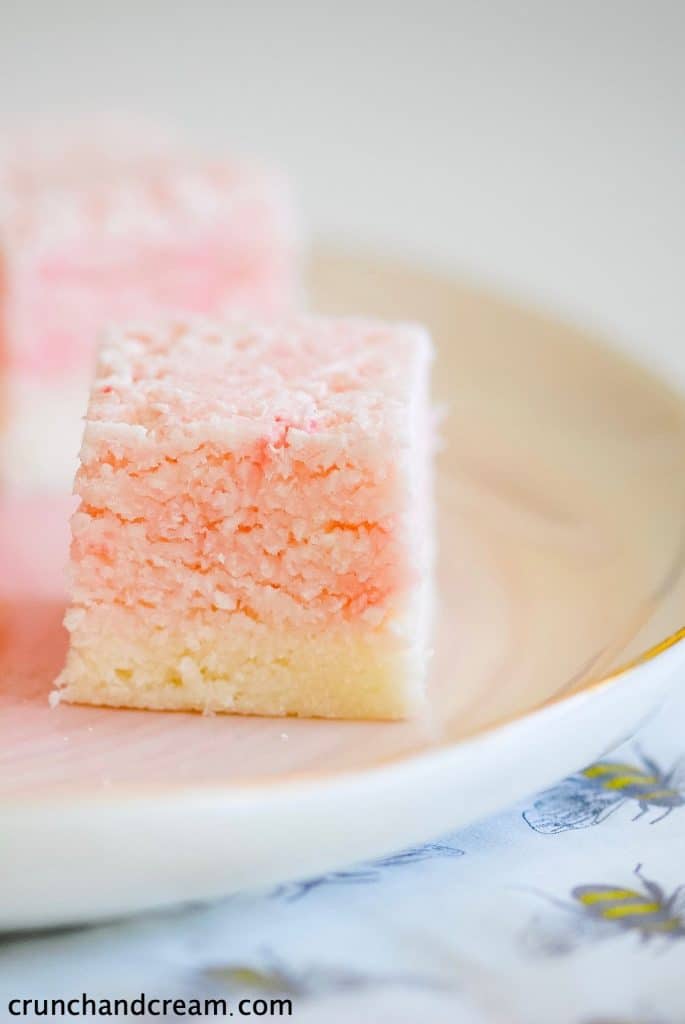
34	545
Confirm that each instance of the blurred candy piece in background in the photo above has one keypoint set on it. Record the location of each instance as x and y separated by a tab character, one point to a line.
102	221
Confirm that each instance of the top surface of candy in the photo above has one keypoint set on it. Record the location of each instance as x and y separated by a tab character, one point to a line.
305	376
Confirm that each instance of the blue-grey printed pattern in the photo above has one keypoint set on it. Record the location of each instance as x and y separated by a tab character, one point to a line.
589	797
369	872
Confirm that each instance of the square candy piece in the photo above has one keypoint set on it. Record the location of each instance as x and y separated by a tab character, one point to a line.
254	532
104	231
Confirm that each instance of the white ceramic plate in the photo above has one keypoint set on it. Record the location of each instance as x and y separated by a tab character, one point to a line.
561	491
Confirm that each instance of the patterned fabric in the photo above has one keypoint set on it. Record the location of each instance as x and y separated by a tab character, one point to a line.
569	909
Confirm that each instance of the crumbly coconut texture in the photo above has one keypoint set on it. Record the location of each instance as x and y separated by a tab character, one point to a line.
253	533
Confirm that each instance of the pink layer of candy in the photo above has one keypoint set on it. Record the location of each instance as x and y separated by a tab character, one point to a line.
262	471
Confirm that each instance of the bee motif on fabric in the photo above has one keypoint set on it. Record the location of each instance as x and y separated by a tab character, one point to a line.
271	974
650	914
589	797
601	911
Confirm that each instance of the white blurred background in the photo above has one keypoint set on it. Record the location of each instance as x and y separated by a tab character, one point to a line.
538	146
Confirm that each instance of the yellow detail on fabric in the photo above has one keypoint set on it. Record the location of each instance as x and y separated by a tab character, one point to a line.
629	909
606	896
